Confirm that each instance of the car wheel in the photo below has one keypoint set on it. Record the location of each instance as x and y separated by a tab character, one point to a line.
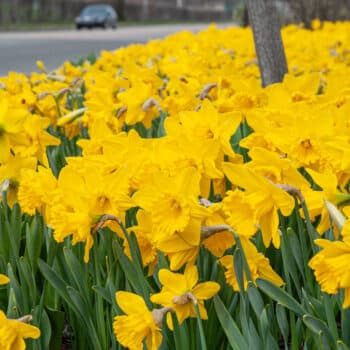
78	27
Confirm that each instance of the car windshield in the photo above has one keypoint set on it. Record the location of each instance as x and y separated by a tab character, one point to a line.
94	10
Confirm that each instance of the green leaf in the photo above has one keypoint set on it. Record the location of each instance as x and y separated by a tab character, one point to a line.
17	299
244	260
233	334
244	314
255	299
54	279
77	274
314	306
4	235
279	295
27	282
180	333
282	321
312	233
255	341
136	279
299	331
162	261
85	314
238	268
319	327
16	225
330	315
289	265
41	320
345	326
58	284
271	343
57	322
295	247
34	242
341	346
104	293
265	325
12	306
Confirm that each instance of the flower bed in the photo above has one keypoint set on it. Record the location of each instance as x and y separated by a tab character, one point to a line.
160	196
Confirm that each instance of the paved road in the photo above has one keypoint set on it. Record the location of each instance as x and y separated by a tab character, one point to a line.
20	50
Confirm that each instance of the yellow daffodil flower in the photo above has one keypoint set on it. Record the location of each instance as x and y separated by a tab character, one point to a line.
13	333
181	291
172	201
138	323
259	266
265	199
331	267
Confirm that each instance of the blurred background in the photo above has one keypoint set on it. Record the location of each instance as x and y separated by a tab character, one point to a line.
45	30
16	13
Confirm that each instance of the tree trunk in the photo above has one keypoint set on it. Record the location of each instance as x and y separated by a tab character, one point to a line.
145	10
121	9
268	42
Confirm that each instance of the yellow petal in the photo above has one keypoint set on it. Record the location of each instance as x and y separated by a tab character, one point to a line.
242	176
131	303
205	290
346	302
191	233
191	275
174	282
189	182
4	279
26	330
173	244
269	225
283	201
183	311
202	311
163	298
154	340
178	259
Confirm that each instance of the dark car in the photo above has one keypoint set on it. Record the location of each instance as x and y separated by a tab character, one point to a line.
91	16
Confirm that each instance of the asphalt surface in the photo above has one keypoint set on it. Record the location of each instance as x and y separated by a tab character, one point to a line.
20	50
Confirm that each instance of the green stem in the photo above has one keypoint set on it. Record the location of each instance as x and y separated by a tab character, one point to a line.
200	326
135	257
309	227
58	107
101	326
305	254
14	255
286	259
293	331
245	262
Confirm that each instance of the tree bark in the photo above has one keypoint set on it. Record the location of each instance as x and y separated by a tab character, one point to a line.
269	48
145	10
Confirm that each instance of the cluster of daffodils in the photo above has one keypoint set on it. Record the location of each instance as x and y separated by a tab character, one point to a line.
26	113
228	159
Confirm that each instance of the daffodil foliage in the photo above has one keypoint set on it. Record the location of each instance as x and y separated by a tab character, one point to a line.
160	198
